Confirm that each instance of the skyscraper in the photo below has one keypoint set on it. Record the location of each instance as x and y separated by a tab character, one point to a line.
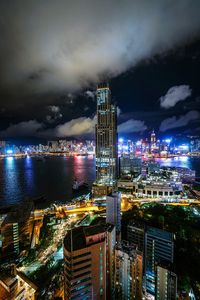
128	273
106	142
166	284
135	234
159	246
16	230
85	263
110	263
113	205
153	140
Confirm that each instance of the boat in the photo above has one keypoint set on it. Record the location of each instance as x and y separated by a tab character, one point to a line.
79	185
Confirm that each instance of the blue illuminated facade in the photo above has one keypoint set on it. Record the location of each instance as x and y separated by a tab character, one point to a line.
106	138
159	246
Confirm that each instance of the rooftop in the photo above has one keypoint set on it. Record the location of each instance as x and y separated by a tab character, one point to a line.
75	239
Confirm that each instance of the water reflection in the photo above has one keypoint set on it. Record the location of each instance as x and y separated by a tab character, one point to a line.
11	185
53	177
28	173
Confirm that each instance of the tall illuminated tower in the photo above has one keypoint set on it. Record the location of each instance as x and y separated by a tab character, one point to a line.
153	140
106	139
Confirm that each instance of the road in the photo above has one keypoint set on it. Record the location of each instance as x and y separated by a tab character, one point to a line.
44	256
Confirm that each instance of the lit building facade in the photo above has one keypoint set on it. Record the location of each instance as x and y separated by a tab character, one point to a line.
157	187
110	261
135	234
113	205
159	246
16	230
166	284
153	141
85	263
128	274
106	140
130	166
16	286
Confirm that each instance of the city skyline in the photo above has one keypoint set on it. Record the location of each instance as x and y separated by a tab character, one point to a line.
100	150
102	244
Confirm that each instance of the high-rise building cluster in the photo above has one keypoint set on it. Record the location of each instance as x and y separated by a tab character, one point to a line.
68	147
98	263
16	227
104	258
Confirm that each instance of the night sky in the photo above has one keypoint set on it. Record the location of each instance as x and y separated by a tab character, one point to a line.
54	53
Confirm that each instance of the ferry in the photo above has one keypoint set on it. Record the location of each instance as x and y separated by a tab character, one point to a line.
79	185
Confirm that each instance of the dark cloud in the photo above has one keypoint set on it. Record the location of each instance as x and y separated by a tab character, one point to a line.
55	114
52	54
29	128
59	45
176	122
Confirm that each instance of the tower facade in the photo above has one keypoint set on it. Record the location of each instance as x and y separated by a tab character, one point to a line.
106	138
153	140
85	263
166	284
159	246
128	275
113	206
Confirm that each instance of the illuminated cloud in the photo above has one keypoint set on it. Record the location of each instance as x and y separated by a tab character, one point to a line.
176	122
131	126
90	94
174	95
76	127
79	126
119	111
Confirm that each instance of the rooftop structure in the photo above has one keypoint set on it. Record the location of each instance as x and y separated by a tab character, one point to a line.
157	186
15	286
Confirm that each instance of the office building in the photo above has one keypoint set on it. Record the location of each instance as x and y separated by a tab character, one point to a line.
128	274
110	261
85	263
125	166
113	205
16	230
106	143
16	286
135	234
153	141
130	166
159	246
125	185
166	284
155	186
